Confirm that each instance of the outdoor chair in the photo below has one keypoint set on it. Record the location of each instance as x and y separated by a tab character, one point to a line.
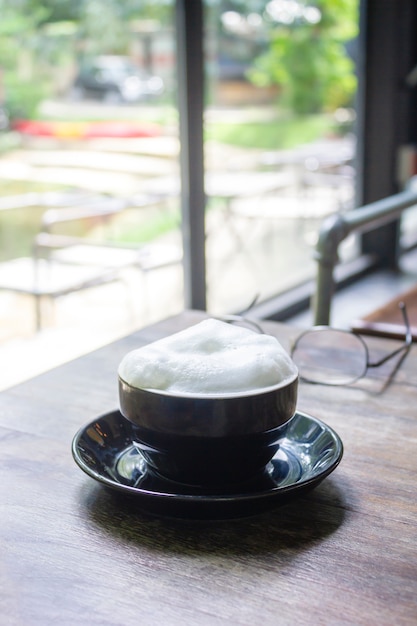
63	264
41	278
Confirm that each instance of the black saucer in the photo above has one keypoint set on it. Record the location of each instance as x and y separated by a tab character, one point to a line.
309	451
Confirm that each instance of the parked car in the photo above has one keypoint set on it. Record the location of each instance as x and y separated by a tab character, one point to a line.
115	79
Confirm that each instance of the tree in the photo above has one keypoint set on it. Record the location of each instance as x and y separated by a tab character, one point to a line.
19	46
307	56
39	37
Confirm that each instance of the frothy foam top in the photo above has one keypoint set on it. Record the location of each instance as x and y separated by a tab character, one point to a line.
211	357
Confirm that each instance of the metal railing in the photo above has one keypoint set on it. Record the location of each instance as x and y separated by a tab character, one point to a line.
337	227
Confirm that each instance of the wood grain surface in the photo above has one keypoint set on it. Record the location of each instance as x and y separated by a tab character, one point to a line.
73	553
387	320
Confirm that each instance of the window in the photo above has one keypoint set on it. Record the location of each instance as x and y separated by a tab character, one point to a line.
264	157
278	155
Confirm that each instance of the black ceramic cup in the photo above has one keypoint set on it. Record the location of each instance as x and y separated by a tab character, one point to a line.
208	440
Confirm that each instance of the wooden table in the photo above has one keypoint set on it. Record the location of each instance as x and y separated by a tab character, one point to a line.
72	553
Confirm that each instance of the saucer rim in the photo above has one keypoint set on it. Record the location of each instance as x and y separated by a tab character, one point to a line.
234	497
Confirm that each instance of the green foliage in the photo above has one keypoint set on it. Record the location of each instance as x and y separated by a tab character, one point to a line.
133	227
282	133
38	37
309	62
23	97
21	50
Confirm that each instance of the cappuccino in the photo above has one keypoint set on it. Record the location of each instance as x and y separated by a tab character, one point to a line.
209	358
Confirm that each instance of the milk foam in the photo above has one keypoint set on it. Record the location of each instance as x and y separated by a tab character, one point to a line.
211	357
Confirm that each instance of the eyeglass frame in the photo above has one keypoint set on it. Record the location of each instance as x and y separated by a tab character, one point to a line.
368	364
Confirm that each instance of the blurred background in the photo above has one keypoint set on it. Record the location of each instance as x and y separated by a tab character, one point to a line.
91	244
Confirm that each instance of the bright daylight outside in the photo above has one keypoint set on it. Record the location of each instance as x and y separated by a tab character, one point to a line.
90	215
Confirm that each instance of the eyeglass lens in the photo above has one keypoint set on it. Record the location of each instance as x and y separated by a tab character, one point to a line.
329	356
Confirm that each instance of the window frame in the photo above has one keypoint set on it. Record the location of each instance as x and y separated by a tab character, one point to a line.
387	50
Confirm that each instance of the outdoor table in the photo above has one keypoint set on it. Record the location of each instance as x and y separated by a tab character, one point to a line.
75	552
227	186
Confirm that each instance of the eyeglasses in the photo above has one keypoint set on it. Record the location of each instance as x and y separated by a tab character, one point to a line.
240	320
328	356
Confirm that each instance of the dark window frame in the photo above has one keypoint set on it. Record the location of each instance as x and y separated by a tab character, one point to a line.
386	108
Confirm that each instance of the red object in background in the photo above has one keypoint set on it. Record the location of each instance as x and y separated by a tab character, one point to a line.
86	130
121	129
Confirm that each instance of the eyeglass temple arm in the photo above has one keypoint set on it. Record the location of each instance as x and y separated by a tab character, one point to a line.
407	343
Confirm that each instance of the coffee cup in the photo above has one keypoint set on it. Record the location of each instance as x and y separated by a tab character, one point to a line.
216	429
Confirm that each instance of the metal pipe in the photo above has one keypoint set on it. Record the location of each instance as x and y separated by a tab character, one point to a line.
337	227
